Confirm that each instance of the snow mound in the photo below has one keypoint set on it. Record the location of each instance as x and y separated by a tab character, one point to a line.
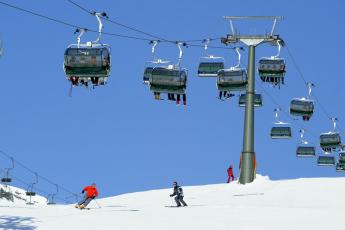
263	204
12	196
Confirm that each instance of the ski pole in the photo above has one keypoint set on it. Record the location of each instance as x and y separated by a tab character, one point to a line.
97	203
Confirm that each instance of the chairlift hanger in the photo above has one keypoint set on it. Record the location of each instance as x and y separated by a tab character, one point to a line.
7	179
51	197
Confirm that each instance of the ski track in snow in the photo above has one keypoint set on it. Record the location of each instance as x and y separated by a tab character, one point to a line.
264	204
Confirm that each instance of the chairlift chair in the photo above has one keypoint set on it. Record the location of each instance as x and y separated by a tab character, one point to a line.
304	149
233	78
280	130
168	80
51	197
7	179
88	62
257	100
330	141
209	68
326	160
303	107
154	63
272	69
171	79
29	192
209	64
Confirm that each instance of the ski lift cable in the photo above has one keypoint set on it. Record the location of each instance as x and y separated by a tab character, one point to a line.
136	29
70	24
33	172
285	112
95	31
40	190
300	74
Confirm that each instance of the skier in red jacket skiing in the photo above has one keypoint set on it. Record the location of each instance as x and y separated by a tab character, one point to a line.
230	174
91	193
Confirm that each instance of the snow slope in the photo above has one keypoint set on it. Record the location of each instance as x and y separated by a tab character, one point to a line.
287	204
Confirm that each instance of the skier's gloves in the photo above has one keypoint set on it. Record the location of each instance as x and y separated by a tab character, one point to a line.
171	195
82	191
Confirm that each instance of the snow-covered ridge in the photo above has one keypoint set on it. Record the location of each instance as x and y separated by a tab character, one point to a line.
12	196
264	204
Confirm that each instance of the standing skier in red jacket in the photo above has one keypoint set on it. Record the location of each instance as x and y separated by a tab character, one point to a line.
91	193
230	174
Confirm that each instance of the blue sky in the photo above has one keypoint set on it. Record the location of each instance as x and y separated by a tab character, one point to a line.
120	137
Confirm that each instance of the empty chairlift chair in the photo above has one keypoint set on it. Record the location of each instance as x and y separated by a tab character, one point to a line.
304	149
326	160
209	64
1	48
272	69
257	100
280	130
209	69
30	191
7	179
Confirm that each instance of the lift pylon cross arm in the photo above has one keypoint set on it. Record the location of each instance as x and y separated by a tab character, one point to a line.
253	39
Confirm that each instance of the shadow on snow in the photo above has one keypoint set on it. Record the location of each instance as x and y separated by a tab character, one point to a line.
17	223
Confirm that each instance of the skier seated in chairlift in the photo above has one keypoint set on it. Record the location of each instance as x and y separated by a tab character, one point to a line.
91	193
157	95
171	97
84	82
184	99
306	118
178	193
74	81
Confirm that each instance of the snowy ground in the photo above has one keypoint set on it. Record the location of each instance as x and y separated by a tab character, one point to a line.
288	204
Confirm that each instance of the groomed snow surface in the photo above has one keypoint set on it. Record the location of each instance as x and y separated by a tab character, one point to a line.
286	204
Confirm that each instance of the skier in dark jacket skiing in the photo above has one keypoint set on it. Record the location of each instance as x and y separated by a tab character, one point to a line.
178	193
91	193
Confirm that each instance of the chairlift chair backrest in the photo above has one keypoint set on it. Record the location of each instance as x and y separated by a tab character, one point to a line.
281	132
257	100
326	160
305	151
87	62
233	79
